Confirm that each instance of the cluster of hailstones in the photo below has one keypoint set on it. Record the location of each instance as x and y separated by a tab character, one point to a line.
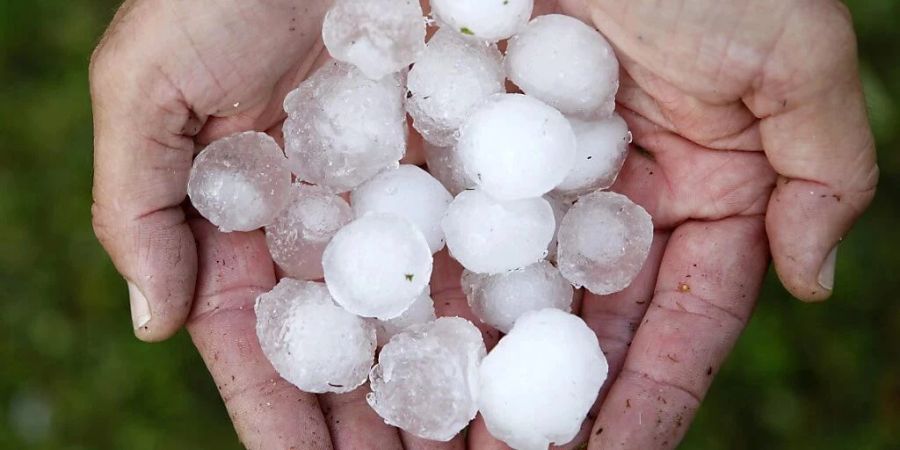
530	218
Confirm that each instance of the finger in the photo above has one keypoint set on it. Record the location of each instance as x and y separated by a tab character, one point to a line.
353	423
816	134
708	281
267	411
142	156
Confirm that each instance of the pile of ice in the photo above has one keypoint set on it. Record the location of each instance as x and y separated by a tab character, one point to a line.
515	189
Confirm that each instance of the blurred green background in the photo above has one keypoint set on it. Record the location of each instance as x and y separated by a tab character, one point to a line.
73	377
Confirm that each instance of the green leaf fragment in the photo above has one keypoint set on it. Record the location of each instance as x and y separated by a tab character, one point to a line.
466	31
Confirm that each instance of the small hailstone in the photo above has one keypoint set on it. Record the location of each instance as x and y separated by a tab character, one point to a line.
378	36
408	192
421	311
560	208
425	381
602	147
448	81
516	147
241	182
487	20
298	236
499	300
603	242
311	342
343	128
444	164
489	236
565	63
377	265
538	384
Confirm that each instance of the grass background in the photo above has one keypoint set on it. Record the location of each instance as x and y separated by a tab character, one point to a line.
73	377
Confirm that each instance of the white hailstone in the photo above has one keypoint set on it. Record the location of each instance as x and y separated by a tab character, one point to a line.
489	236
560	208
241	182
602	147
298	236
426	379
343	128
377	36
499	300
420	312
516	147
448	81
538	384
603	242
444	164
408	192
377	266
565	63
488	20
311	342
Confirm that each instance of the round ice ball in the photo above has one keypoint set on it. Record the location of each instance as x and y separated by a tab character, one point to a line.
602	147
489	236
298	235
499	300
343	128
448	81
516	147
377	36
444	164
426	378
377	265
311	342
408	192
565	63
241	182
604	240
420	312
487	20
538	384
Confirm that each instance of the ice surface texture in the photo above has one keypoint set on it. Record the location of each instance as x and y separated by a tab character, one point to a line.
420	312
377	265
538	384
448	81
499	300
565	63
445	165
343	128
604	240
312	342
377	36
241	182
426	380
602	147
487	20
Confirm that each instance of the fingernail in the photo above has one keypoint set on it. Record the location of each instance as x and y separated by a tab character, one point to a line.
826	273
140	308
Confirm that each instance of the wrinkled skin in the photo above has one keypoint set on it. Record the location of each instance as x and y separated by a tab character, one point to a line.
751	140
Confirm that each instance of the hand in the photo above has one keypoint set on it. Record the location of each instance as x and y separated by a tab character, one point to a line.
751	125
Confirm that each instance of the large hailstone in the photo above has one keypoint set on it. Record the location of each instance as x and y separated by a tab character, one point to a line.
565	63
408	192
298	236
602	147
489	236
311	342
451	77
487	20
444	164
377	265
343	128
538	384
420	312
377	36
426	379
604	240
499	300
516	147
241	182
